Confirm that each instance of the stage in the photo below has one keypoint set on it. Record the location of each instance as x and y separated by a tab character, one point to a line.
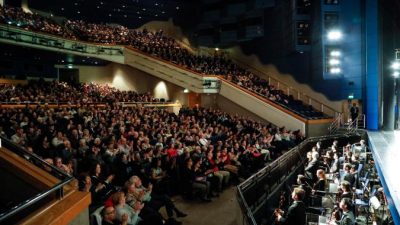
385	147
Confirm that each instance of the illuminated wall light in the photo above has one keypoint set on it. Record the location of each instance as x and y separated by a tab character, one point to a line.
186	90
70	66
217	49
396	74
335	53
334	62
160	91
119	81
334	35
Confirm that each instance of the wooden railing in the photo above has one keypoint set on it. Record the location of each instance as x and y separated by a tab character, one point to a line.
58	202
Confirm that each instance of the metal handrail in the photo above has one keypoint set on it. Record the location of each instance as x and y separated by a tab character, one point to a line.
27	203
335	125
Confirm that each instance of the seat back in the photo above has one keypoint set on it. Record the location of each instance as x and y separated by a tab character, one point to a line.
333	187
95	218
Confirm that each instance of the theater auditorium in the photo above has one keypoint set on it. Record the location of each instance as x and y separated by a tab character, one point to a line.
170	112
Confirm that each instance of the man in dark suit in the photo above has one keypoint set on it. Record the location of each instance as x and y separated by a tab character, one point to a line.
311	169
296	214
347	175
354	112
347	216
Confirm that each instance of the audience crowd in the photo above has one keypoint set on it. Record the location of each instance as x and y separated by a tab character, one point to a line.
61	92
138	157
162	46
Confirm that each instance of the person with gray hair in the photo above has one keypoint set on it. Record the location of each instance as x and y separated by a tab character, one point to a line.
312	166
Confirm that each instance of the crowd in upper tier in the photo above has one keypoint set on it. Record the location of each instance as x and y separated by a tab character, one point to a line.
113	149
161	46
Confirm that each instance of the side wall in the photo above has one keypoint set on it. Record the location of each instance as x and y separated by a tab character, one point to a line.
127	78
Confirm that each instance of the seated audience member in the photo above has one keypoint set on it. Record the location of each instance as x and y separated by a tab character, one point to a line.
108	215
152	200
194	183
211	167
348	217
347	175
346	190
296	214
122	209
102	187
335	165
320	185
302	182
312	167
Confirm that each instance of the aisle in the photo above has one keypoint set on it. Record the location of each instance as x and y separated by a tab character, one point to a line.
221	211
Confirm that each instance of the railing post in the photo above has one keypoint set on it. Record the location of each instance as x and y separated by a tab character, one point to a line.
322	107
277	85
60	193
288	91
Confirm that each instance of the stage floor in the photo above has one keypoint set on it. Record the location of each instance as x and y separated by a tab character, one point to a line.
385	147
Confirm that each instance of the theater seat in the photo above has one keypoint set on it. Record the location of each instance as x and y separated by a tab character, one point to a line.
95	218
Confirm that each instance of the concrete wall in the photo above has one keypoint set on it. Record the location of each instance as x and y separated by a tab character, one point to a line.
231	107
127	78
262	108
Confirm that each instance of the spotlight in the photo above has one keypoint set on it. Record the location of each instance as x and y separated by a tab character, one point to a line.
335	70
396	65
334	62
186	90
334	35
335	53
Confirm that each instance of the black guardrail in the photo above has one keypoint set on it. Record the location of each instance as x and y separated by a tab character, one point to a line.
56	190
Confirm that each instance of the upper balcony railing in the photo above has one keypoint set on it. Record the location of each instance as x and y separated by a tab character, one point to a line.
14	34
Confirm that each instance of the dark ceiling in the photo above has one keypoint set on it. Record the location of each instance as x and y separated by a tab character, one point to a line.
131	13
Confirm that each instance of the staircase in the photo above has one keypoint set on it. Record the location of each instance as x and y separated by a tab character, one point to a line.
342	126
